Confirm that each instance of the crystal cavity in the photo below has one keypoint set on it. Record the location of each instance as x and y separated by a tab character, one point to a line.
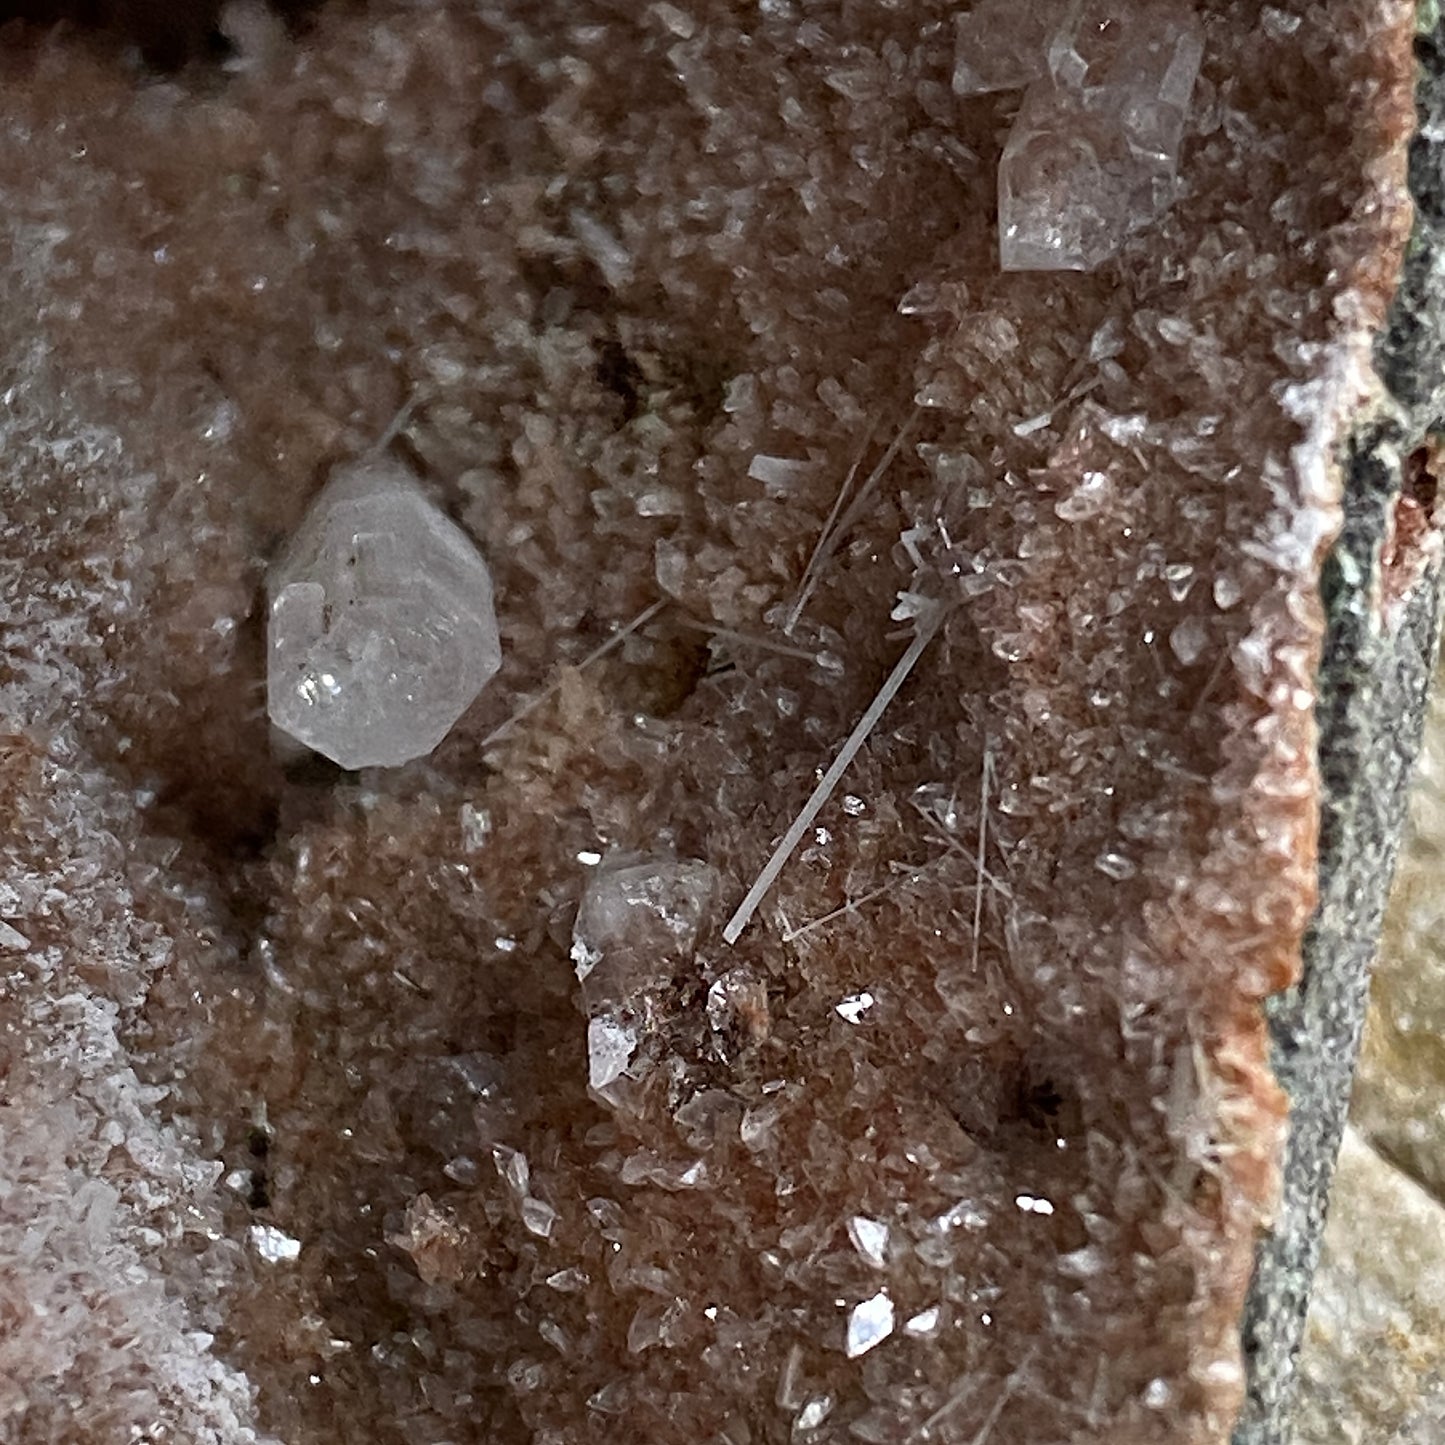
381	629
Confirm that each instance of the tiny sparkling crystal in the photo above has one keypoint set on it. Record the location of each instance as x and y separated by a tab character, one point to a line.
274	1245
869	1324
870	1239
854	1007
381	629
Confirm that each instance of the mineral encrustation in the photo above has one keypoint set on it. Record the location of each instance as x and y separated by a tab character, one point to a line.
814	992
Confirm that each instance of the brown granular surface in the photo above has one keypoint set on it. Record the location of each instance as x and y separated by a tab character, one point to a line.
657	277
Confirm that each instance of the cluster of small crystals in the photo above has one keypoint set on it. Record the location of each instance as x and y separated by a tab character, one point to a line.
1093	153
115	1258
967	1134
380	628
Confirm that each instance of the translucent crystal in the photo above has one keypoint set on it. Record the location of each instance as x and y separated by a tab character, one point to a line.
869	1324
381	628
609	1047
1003	45
870	1239
1094	151
813	1413
636	923
539	1217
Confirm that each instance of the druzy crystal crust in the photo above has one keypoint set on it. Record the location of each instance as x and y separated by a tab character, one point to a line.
381	629
813	994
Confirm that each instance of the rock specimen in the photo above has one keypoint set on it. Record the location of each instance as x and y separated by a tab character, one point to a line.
941	642
381	631
1381	586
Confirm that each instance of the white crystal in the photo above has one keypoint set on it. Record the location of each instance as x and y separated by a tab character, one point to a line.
609	1047
476	826
1116	865
1158	1394
924	1322
274	1246
381	629
512	1165
814	1413
780	474
870	1239
1189	641
1094	151
854	1006
1031	1204
869	1324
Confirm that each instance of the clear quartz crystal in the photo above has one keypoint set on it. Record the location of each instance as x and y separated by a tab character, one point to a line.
381	628
1003	45
610	1044
635	923
1093	154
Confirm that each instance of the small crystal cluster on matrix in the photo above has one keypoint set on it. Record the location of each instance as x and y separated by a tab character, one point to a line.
841	603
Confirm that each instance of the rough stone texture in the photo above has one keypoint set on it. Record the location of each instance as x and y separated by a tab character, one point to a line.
989	1061
1373	707
1373	1368
1399	1097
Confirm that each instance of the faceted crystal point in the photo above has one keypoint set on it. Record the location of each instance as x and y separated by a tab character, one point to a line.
1093	154
381	629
